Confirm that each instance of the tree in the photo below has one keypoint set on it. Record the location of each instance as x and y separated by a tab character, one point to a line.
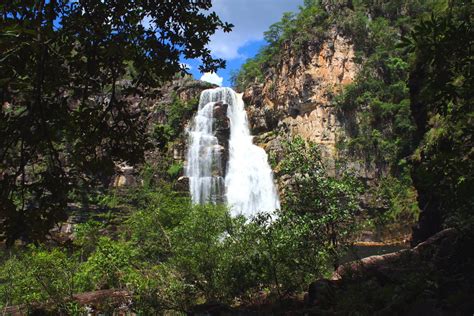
64	115
441	88
332	201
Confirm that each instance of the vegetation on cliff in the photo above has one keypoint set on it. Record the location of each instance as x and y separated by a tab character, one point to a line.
442	104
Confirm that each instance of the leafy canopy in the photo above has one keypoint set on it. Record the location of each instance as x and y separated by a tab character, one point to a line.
70	72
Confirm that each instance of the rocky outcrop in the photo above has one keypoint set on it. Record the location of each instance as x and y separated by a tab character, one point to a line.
297	96
185	88
155	109
125	175
222	131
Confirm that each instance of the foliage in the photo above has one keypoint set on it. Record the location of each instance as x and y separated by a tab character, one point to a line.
147	234
442	104
176	113
312	191
159	288
107	266
250	72
287	252
197	248
38	275
175	170
170	207
225	258
87	236
402	208
171	256
66	71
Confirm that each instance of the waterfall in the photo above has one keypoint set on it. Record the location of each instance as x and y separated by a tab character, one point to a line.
246	182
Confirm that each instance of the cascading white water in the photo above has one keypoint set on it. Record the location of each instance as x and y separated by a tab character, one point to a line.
249	186
206	181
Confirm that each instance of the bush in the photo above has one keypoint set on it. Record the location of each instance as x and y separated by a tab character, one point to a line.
160	288
310	191
38	276
147	234
197	248
107	266
86	237
226	258
175	170
279	255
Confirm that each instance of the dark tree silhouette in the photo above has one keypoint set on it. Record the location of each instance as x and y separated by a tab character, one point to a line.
62	70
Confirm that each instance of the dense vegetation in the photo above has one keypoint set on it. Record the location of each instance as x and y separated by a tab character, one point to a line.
441	88
170	255
65	118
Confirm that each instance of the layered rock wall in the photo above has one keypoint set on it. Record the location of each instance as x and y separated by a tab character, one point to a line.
297	95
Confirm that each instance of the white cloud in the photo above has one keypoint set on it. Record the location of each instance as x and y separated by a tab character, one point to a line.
251	18
212	77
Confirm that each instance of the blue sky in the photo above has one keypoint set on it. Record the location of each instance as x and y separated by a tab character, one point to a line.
251	18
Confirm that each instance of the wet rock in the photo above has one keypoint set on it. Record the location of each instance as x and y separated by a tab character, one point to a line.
221	128
182	184
125	176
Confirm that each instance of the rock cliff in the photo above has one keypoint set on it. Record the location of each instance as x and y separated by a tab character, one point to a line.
181	93
297	95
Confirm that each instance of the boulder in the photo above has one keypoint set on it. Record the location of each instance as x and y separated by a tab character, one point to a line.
125	176
182	184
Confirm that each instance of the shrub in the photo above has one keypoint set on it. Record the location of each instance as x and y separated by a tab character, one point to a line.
197	247
107	266
175	170
331	201
38	276
158	289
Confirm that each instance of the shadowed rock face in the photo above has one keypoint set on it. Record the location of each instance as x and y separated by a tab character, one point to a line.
222	131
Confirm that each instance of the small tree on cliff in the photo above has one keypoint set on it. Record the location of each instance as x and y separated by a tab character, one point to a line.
62	120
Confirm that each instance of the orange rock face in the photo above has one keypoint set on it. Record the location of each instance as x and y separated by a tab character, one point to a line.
297	95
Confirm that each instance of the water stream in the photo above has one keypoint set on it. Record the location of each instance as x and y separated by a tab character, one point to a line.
247	185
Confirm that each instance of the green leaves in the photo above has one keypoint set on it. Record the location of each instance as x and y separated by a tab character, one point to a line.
107	266
442	107
36	276
70	78
324	205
